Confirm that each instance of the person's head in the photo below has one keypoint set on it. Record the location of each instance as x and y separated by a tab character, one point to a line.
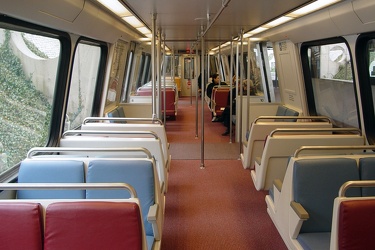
244	85
216	78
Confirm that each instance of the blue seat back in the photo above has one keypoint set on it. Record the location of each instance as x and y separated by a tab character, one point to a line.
281	110
120	112
44	171
290	112
112	114
137	173
316	183
367	172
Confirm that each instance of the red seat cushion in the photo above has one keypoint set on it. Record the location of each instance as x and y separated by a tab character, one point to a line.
21	226
93	225
356	224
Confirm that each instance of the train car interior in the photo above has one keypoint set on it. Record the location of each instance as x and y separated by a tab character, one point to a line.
201	124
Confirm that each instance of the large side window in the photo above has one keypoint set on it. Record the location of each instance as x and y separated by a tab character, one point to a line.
330	88
83	83
365	54
116	79
28	75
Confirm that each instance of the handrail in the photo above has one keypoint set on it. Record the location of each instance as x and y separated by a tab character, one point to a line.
274	117
351	184
101	132
75	186
293	130
313	148
70	149
91	119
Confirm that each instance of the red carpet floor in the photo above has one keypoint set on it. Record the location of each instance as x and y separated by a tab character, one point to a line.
216	207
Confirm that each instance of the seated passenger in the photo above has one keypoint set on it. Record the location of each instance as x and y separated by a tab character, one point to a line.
215	82
226	113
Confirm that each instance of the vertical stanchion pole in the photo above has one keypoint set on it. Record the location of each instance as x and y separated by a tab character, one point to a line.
241	94
164	80
158	71
231	93
196	96
173	66
190	76
248	87
202	101
153	66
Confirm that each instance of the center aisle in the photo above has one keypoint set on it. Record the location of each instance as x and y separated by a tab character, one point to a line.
216	207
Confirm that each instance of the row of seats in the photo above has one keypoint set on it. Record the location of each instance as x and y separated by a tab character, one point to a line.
264	125
132	124
118	112
219	100
140	173
282	143
301	206
136	132
171	99
120	139
106	152
71	224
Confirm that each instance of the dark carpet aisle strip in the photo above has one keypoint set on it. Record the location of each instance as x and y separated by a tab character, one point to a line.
216	207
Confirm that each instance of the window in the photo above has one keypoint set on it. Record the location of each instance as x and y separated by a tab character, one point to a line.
365	51
254	62
117	72
28	70
330	88
83	83
188	68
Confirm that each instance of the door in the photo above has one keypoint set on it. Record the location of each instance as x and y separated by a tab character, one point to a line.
190	73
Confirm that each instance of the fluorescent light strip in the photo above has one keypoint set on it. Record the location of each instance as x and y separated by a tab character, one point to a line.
144	30
278	21
257	30
312	7
319	4
120	10
116	7
133	21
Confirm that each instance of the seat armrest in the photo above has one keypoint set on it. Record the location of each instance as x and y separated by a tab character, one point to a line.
155	218
297	215
152	213
299	210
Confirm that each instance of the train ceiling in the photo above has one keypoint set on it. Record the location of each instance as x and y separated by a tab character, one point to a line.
181	21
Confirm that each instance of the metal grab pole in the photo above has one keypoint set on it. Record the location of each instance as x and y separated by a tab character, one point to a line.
248	88
231	93
196	97
202	103
241	94
164	80
153	62
158	95
190	78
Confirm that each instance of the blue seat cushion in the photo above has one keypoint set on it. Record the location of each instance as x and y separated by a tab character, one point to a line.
150	242
316	183
367	172
270	193
137	173
45	171
313	241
